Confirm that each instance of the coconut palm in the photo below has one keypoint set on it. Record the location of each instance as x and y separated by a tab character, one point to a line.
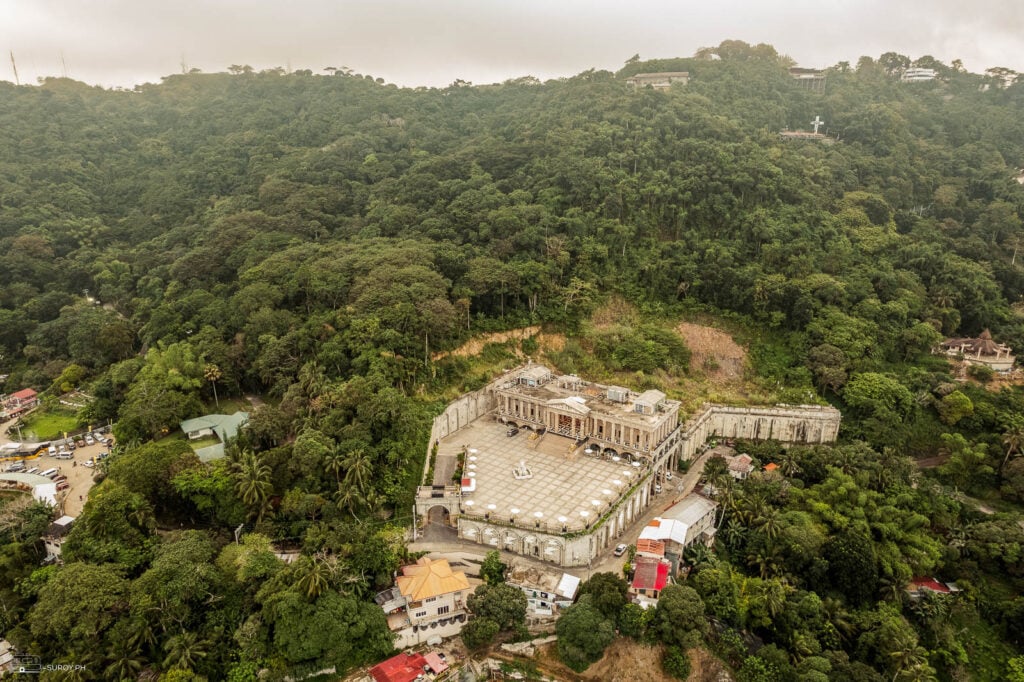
184	651
125	663
788	464
910	659
773	594
314	576
335	462
1013	440
349	499
836	613
768	523
732	533
766	559
358	470
252	483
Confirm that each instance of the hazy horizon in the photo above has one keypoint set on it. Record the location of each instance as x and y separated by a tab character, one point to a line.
121	43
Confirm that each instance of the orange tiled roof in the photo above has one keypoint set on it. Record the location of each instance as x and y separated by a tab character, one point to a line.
430	578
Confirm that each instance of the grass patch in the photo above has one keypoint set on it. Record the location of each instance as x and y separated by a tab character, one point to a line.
204	442
228	405
49	425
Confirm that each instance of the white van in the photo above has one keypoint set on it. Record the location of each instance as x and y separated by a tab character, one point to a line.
52	450
49	473
33	470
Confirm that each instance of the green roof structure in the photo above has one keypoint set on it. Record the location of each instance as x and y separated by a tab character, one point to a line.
225	426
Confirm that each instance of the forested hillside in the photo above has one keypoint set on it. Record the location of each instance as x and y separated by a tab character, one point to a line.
315	239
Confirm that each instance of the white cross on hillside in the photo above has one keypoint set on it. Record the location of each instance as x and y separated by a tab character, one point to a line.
817	122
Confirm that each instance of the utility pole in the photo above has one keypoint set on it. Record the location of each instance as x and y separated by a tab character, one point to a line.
15	68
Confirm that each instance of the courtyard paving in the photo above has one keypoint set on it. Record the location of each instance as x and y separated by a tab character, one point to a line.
567	487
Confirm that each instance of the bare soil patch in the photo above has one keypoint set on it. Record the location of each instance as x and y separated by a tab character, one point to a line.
707	668
616	310
623	661
546	341
628	661
714	352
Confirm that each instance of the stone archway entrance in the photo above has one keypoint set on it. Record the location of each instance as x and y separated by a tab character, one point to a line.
438	526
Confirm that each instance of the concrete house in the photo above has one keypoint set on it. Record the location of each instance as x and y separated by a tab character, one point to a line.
429	598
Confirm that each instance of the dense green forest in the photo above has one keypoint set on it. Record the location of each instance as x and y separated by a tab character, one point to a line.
315	239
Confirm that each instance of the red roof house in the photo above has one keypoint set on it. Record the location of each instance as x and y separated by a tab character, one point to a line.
650	576
24	395
921	584
407	667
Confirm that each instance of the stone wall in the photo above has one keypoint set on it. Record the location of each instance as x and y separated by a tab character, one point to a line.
808	424
461	412
457	415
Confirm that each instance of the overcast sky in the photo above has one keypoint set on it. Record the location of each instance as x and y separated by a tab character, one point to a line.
434	42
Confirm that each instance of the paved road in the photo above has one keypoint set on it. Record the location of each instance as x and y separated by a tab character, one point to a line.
471	551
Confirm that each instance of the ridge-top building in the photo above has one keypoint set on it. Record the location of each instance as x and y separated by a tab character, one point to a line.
615	419
556	467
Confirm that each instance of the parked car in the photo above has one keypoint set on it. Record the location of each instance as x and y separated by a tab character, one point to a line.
16	467
668	475
33	470
70	444
52	451
60	479
89	440
79	443
620	550
63	486
64	454
511	431
657	488
88	463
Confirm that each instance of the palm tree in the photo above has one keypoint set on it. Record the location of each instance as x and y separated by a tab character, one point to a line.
836	613
753	508
1013	439
788	464
335	462
184	651
212	373
766	559
349	499
768	523
773	594
732	533
142	635
358	470
126	663
252	483
314	576
910	658
698	554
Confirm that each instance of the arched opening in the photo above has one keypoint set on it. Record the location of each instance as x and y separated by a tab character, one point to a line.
439	526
